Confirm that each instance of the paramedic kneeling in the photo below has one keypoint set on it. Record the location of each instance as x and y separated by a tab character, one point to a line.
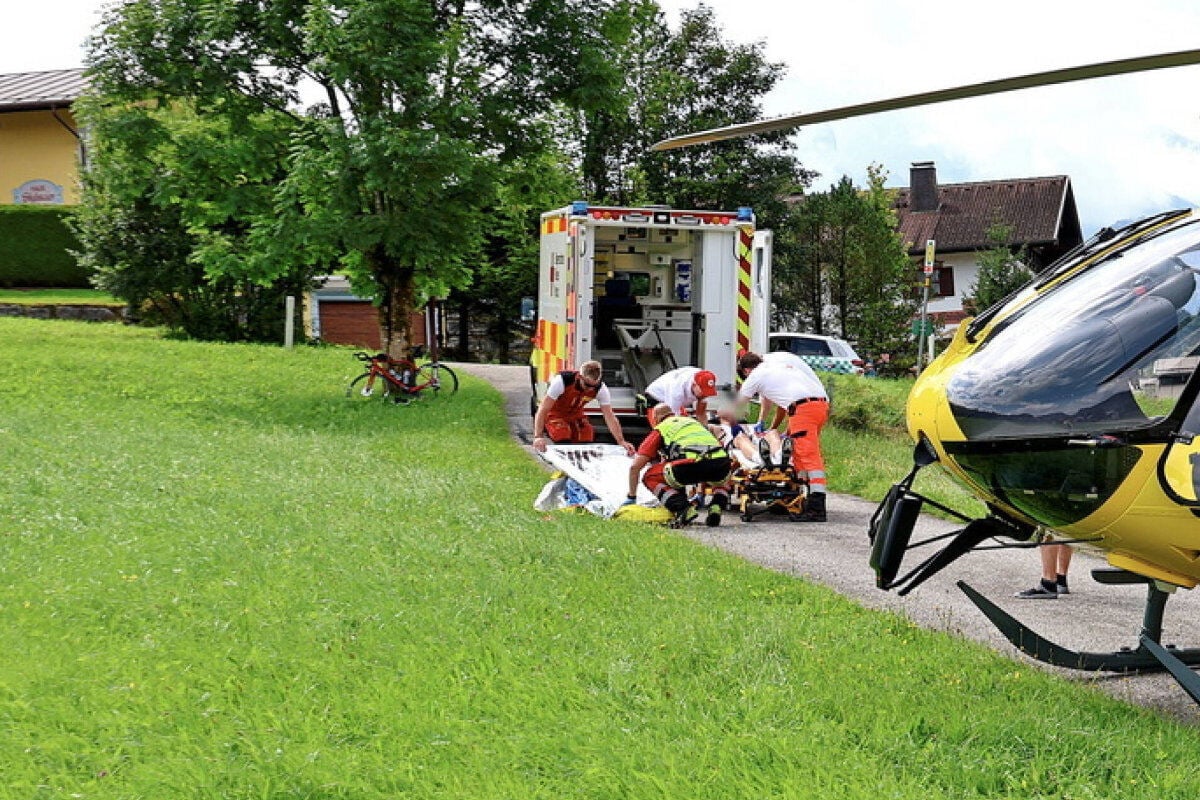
797	392
690	455
560	416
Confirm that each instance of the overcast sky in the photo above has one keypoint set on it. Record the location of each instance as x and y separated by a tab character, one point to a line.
1131	145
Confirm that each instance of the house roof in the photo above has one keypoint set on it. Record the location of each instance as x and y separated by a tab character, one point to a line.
31	91
1041	211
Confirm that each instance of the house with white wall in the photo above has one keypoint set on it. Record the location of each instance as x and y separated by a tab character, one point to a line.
1040	212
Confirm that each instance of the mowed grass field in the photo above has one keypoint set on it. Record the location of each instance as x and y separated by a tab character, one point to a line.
221	578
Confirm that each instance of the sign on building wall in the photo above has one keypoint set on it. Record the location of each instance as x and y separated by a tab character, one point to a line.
38	192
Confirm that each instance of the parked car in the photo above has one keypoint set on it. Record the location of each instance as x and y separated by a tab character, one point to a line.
824	353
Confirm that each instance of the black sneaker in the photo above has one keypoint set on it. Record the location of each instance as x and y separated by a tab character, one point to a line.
785	451
1038	592
685	517
764	452
813	511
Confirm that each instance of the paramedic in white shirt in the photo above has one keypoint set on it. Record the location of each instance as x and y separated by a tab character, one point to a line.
794	392
681	388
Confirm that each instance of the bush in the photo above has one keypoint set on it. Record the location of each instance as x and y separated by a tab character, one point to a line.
36	248
867	405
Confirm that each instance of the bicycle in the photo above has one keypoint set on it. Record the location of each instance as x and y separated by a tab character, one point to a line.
400	379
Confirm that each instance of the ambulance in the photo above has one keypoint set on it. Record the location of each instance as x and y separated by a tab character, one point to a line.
644	290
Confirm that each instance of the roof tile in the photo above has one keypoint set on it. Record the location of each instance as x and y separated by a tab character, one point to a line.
1033	206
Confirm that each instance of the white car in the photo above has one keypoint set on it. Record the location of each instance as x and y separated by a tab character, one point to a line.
823	353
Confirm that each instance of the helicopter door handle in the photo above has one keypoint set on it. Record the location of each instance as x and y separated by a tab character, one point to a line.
1098	441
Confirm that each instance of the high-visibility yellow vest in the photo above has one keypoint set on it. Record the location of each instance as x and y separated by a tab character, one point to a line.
684	437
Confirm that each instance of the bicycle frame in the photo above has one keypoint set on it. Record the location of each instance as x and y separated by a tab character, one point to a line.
398	372
404	379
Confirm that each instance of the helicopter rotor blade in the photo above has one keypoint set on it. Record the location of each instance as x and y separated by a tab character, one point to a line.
1104	69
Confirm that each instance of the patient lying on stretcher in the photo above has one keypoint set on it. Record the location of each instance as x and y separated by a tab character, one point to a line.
750	449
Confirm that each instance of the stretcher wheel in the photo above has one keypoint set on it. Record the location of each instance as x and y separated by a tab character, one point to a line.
742	506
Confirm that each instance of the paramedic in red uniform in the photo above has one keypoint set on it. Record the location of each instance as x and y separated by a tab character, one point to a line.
560	416
796	392
690	455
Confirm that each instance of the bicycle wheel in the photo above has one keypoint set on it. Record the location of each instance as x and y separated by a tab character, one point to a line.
364	387
436	378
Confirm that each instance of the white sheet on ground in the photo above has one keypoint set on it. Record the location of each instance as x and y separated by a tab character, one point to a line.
602	469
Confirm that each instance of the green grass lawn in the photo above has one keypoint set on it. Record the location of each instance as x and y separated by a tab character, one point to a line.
221	578
85	297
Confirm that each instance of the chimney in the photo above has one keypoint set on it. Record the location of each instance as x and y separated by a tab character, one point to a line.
923	191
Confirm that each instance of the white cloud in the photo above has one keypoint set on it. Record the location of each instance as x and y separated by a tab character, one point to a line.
46	34
1131	145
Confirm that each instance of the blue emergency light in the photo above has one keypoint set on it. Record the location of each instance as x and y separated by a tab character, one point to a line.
745	214
579	208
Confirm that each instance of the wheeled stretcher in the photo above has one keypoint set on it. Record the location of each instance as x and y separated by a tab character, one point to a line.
767	489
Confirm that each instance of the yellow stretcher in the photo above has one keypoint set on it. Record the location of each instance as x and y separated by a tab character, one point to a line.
768	489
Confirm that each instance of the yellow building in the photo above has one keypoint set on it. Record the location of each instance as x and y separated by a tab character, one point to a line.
40	145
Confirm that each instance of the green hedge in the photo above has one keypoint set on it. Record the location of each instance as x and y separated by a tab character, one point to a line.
35	248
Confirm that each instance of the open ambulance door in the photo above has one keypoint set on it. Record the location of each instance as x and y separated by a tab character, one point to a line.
760	290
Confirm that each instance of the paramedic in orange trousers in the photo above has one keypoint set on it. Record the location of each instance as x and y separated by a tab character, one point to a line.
797	393
560	418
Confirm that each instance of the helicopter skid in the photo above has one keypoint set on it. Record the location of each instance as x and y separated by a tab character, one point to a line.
1149	656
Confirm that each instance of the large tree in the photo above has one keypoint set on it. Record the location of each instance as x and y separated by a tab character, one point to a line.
170	199
673	81
422	104
680	81
882	301
851	276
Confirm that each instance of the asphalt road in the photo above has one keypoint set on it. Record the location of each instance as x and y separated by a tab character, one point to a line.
1093	617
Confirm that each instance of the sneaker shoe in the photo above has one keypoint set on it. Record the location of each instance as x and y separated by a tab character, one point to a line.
1062	589
714	516
764	452
813	511
685	517
785	450
1038	592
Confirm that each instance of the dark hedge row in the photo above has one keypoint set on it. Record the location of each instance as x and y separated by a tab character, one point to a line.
35	248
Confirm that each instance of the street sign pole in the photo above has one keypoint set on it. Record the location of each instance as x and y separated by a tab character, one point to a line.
930	252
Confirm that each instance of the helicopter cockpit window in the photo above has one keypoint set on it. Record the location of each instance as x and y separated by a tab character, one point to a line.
1109	350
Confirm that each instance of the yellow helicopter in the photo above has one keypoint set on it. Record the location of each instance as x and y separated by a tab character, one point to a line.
1072	406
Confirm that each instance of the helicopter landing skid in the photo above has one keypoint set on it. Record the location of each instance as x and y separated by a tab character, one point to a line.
1149	656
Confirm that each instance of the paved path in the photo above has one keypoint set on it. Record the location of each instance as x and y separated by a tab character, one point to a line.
1092	618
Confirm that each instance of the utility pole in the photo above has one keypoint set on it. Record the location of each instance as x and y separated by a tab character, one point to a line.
930	252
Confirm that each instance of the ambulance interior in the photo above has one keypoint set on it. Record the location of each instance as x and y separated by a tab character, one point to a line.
644	309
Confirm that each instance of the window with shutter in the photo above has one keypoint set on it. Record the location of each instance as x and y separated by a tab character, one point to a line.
945	281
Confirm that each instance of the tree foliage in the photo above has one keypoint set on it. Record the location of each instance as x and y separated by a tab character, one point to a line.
422	104
848	274
676	82
171	199
669	82
1002	269
406	143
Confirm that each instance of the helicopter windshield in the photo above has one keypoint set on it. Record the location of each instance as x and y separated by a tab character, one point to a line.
1108	350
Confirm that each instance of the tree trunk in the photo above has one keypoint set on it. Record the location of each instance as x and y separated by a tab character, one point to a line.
396	309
